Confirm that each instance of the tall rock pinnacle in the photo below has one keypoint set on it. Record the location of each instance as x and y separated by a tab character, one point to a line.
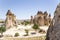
53	32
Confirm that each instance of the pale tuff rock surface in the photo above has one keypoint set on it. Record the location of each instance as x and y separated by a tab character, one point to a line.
10	20
53	32
42	19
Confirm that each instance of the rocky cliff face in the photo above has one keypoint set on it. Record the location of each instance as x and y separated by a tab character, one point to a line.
53	32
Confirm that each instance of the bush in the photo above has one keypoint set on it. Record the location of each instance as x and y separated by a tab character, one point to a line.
35	26
26	23
41	31
16	34
2	29
26	32
22	23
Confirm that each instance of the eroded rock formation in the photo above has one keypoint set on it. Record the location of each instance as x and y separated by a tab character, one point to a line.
42	19
53	32
10	20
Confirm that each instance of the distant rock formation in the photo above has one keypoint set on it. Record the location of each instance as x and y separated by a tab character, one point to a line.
42	18
31	21
53	32
10	20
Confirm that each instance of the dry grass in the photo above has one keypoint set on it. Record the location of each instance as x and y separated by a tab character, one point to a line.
29	38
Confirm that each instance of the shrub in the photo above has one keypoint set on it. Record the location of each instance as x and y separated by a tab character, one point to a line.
35	26
26	33
22	23
2	29
16	34
26	23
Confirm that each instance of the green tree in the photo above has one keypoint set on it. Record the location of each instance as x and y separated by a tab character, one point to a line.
35	26
2	29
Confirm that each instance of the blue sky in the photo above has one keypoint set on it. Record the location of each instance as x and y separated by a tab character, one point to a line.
23	9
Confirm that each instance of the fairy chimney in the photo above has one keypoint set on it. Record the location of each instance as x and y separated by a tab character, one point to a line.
31	21
53	32
10	20
46	20
39	18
